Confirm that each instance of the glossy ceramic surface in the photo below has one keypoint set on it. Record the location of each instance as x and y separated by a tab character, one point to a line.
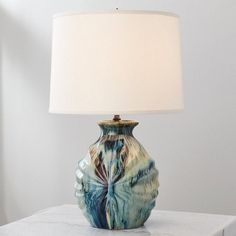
117	182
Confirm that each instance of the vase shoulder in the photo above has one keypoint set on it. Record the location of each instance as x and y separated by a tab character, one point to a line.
110	127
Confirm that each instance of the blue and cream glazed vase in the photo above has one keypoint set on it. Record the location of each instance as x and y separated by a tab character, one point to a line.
117	182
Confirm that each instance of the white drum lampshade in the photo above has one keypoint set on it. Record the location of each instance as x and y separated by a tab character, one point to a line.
115	62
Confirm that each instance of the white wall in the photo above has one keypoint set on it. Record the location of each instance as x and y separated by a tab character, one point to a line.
195	150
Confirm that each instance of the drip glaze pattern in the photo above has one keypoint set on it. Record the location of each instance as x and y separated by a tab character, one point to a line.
116	183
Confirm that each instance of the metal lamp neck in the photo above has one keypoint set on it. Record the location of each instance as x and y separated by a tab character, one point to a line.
116	118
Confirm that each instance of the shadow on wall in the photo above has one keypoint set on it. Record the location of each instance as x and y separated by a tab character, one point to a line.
19	53
2	210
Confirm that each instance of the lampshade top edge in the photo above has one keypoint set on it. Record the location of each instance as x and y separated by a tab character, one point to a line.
70	13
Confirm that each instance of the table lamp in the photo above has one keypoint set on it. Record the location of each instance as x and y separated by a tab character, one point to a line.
116	62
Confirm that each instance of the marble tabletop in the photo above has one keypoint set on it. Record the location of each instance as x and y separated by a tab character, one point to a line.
67	220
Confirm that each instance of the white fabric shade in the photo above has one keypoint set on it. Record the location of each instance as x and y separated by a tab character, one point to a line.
115	62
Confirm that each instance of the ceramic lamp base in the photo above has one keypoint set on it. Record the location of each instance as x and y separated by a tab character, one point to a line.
117	182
